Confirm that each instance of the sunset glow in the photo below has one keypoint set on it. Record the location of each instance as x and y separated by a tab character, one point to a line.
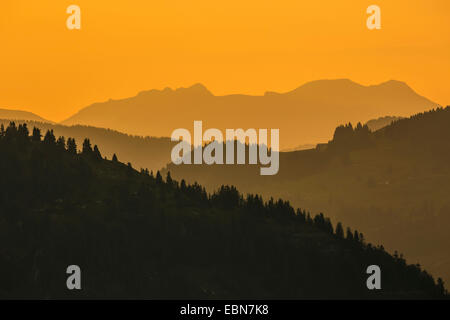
230	46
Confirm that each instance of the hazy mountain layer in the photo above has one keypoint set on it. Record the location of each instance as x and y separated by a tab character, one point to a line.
305	115
21	115
377	124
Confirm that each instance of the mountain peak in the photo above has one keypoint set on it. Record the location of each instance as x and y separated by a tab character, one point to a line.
394	86
393	83
326	84
197	88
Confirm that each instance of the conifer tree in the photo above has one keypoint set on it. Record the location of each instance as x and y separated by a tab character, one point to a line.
23	130
339	231
97	153
169	179
36	135
87	149
356	236
61	143
158	177
71	146
349	235
49	138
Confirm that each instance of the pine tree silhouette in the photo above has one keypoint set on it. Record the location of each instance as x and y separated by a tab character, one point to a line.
49	138
96	153
339	231
71	146
61	143
87	149
36	135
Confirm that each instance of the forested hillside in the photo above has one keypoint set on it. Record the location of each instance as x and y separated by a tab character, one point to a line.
136	235
393	183
152	153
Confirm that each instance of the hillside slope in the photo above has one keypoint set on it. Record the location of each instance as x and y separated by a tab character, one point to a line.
21	115
143	152
136	236
393	183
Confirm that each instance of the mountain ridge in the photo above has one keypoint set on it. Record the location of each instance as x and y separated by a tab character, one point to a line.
317	107
13	114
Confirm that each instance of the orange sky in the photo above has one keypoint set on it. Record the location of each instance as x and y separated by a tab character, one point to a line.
231	46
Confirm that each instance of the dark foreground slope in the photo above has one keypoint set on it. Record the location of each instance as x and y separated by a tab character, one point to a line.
137	236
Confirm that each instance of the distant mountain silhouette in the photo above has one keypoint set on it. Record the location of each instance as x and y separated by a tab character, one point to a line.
393	183
143	152
21	115
305	115
135	235
377	124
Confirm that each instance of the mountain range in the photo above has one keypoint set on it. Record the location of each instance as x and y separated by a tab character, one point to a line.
305	115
